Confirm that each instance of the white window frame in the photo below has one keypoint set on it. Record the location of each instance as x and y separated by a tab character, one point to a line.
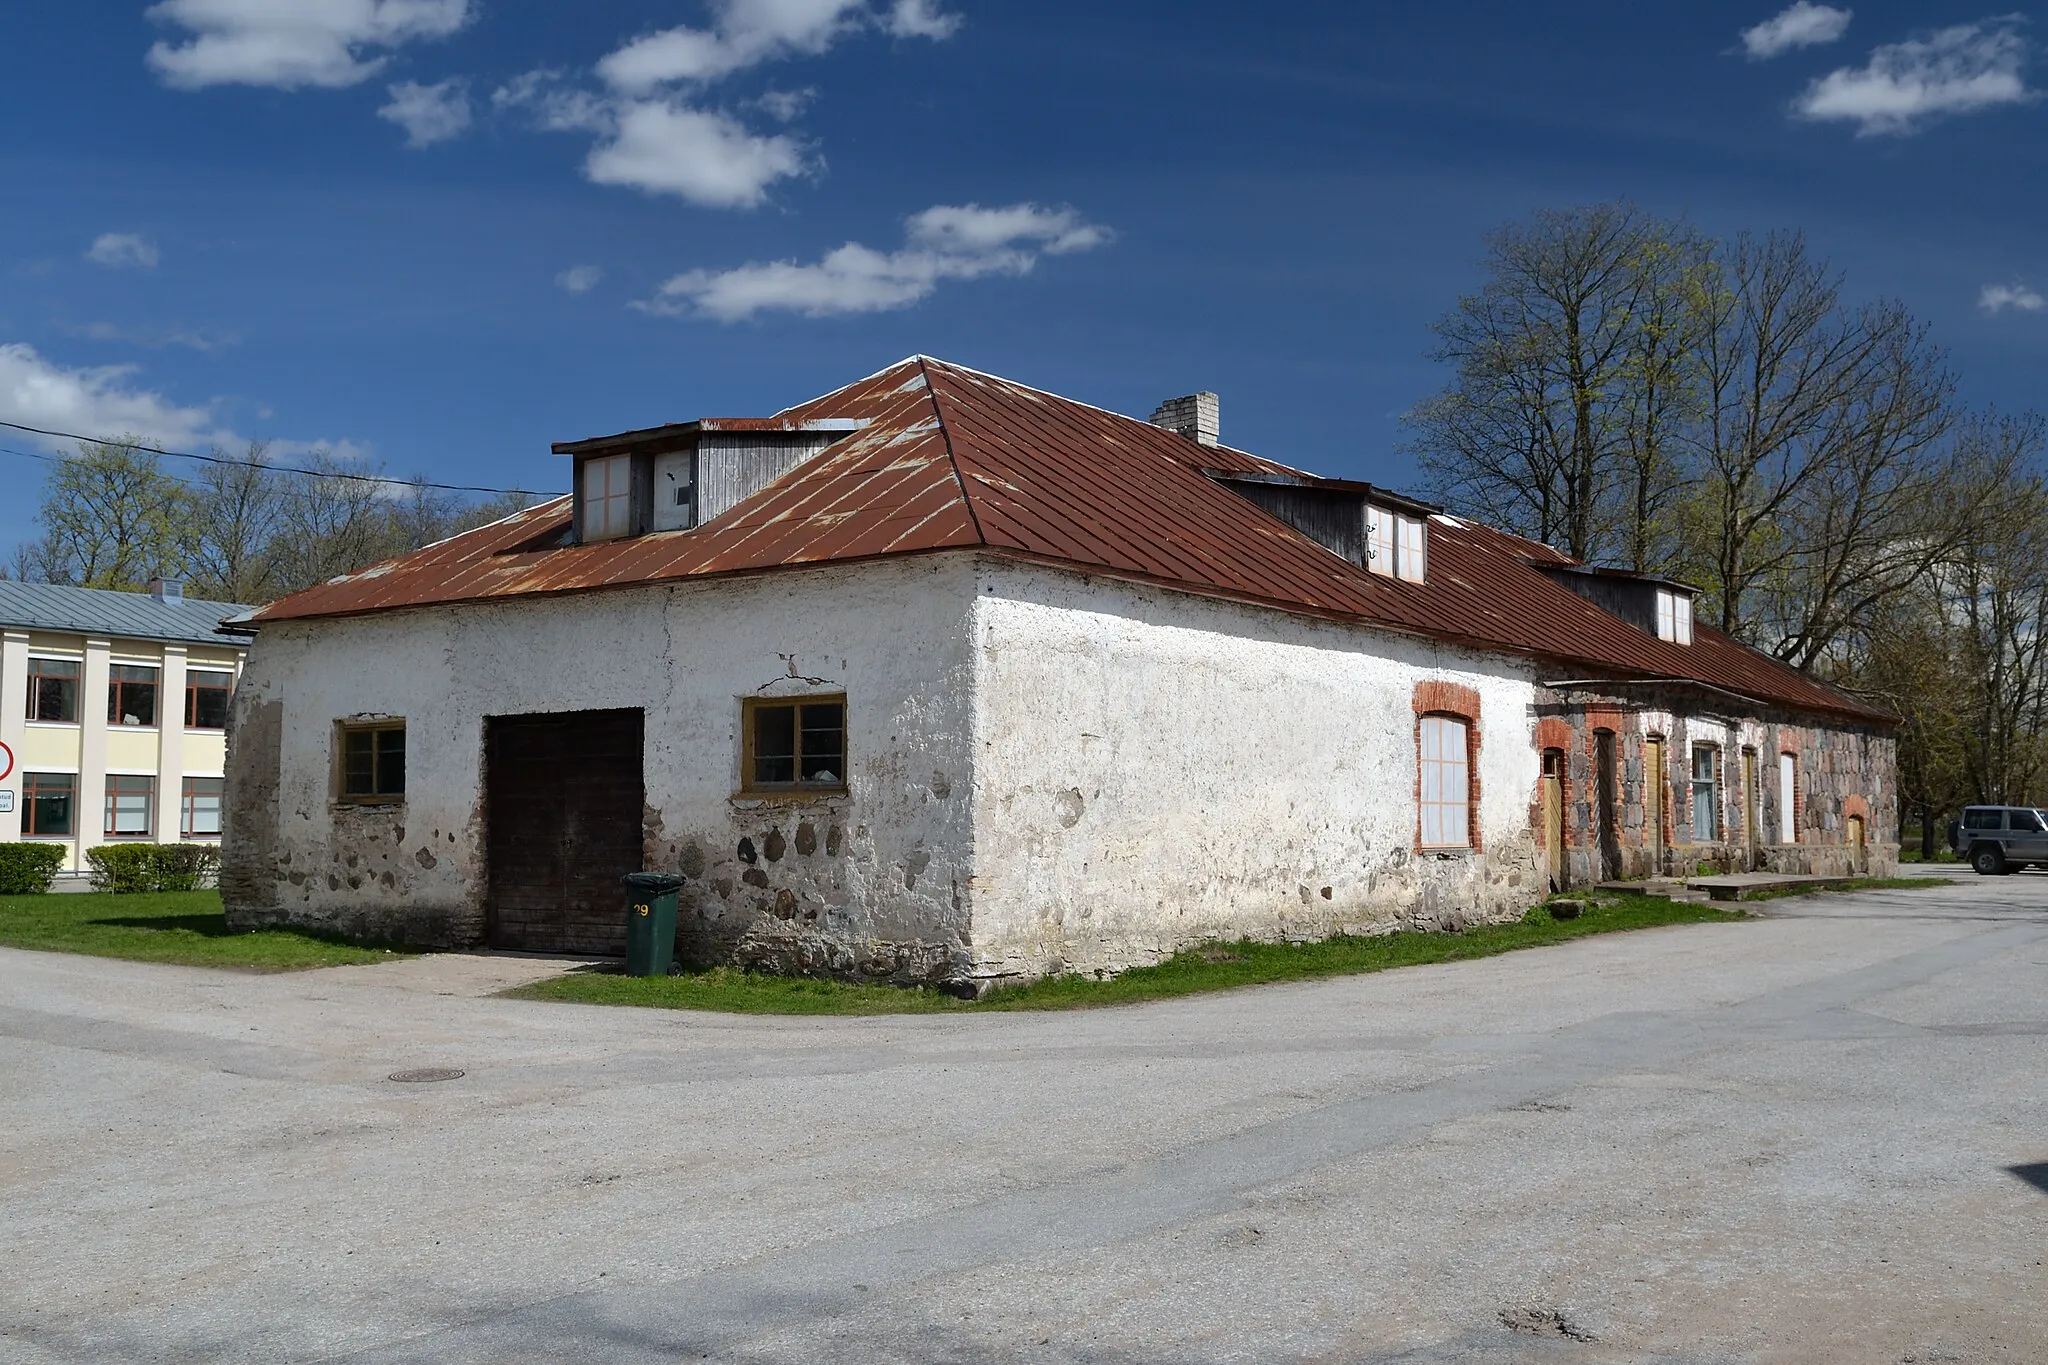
1381	541
608	507
1444	762
1705	793
1413	558
1788	798
1674	617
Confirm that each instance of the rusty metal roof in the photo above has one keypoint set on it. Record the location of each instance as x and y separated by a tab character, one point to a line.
949	458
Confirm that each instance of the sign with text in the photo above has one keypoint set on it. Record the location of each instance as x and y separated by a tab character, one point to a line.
6	801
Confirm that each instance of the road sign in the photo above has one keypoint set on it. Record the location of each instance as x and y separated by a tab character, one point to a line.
6	762
6	801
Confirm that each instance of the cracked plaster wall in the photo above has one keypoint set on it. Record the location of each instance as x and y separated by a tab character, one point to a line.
871	883
1154	769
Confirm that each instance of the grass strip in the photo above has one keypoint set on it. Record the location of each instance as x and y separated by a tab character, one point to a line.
1208	967
185	927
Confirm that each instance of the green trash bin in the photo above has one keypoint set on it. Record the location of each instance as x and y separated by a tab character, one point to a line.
650	922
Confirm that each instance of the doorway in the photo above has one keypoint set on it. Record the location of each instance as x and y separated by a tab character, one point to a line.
1858	861
1553	817
1752	850
1606	799
562	799
1653	800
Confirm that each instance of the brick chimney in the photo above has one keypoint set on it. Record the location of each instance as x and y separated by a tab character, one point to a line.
1195	417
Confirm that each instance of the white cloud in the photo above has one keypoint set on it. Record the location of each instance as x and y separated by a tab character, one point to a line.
1804	25
204	342
919	19
785	106
746	33
429	113
119	249
287	44
947	242
1957	70
554	106
701	155
1998	297
579	279
95	401
654	130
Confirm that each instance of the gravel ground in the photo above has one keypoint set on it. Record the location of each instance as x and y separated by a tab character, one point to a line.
1818	1136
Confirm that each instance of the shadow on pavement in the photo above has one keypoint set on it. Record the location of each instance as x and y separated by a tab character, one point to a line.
2035	1173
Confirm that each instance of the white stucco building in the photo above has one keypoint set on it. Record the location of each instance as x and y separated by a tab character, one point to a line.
940	678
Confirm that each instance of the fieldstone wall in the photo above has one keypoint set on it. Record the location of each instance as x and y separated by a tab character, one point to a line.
1844	773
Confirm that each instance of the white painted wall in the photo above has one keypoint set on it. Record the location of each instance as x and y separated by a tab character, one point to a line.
1154	769
892	636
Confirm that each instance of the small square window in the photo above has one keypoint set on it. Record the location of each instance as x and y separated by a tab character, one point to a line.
1674	617
131	695
53	689
606	505
131	807
49	804
199	809
797	745
373	762
206	699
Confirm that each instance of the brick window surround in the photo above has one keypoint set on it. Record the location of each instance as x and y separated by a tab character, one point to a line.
1460	703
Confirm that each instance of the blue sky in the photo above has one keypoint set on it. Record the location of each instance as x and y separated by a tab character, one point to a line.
447	232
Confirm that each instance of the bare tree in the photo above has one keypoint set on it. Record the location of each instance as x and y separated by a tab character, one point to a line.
1816	427
1551	352
236	512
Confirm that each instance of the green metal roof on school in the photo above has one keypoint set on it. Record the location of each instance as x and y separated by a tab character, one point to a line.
126	615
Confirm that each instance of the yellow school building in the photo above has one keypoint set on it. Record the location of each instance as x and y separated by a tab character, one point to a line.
113	715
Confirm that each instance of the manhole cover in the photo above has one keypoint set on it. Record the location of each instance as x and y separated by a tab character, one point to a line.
427	1073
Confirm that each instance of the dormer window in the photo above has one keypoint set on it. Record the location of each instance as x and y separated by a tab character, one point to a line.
1397	545
1674	617
606	507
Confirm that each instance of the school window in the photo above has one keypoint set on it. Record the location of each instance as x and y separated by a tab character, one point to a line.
1706	821
607	497
199	808
206	699
795	745
1446	784
53	689
131	695
131	807
49	804
1674	617
373	762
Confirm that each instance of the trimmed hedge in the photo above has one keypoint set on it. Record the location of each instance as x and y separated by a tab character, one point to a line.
124	868
26	869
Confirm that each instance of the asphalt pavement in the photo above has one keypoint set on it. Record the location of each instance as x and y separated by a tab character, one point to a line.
1820	1135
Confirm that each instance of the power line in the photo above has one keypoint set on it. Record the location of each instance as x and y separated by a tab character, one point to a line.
252	464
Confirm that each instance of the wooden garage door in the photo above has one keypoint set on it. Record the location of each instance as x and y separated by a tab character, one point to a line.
562	796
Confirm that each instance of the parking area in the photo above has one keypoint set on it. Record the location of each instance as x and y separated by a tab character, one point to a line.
1821	1135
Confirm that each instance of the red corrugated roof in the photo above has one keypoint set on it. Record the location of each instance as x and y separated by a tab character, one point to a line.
953	459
